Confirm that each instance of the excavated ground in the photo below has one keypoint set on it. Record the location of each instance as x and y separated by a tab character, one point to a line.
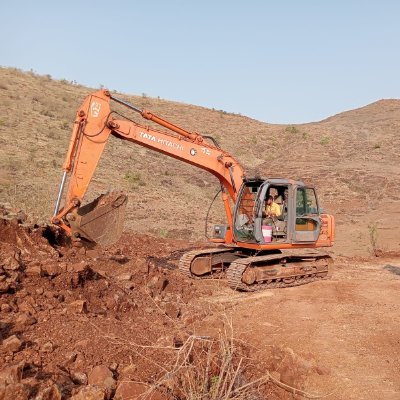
103	323
122	323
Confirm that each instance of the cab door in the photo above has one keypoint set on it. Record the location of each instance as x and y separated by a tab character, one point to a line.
307	220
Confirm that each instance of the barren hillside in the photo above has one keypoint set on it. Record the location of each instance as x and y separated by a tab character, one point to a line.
352	158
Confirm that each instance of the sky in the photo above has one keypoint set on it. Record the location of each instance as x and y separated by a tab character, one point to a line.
276	61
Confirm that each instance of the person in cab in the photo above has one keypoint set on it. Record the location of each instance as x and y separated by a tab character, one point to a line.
272	209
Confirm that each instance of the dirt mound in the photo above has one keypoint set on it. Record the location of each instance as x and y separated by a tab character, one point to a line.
80	322
61	304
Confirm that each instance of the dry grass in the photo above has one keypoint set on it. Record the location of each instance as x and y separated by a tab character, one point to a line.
210	369
220	368
36	113
198	368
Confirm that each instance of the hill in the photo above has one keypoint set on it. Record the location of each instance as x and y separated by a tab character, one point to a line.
352	158
121	322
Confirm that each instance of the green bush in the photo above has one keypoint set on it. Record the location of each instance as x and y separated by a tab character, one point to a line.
325	140
134	179
291	129
64	125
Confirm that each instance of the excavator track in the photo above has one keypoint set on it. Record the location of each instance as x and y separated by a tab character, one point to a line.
279	270
185	263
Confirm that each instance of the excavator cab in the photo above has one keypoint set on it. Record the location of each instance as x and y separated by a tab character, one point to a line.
297	218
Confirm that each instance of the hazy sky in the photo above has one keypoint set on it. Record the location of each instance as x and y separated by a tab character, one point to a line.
275	61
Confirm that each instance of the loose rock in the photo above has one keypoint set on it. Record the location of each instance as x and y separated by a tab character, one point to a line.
78	307
15	391
12	263
125	277
34	270
39	291
6	308
172	310
131	390
4	287
48	347
51	393
12	344
80	378
51	270
102	376
89	393
23	320
12	374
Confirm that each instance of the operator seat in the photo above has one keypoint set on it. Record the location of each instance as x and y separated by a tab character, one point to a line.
279	200
279	227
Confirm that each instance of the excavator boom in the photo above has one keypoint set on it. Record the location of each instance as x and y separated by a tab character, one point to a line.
94	123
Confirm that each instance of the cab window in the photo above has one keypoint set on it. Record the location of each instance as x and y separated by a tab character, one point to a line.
306	202
244	218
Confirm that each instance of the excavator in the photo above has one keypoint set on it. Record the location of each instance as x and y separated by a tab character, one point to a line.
254	250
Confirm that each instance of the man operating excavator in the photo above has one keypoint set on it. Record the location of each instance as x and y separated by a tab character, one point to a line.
272	209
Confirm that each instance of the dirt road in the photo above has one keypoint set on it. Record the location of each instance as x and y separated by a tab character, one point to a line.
338	337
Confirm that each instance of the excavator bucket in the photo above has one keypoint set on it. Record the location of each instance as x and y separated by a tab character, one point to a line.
102	220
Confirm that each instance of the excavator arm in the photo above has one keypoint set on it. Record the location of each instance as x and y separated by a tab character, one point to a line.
95	122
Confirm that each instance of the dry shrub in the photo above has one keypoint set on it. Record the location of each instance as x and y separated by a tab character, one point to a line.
220	368
203	368
208	368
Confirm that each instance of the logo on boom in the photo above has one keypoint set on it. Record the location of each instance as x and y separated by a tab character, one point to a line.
95	109
164	142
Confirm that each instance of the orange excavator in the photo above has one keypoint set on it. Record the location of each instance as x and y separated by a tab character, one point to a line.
255	248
